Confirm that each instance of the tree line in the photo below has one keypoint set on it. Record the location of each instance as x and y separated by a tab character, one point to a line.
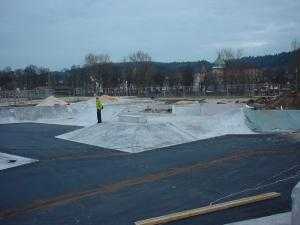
139	70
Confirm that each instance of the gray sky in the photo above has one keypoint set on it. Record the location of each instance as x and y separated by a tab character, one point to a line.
59	33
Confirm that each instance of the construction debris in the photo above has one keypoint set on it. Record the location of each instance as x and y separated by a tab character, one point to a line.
286	101
158	108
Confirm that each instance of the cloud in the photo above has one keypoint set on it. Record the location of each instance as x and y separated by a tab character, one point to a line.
59	33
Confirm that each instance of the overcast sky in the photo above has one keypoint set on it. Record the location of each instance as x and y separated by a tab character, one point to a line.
59	33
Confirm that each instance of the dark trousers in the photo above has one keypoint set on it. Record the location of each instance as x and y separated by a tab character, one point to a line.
99	115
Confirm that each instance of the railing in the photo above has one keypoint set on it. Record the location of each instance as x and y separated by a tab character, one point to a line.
185	91
248	90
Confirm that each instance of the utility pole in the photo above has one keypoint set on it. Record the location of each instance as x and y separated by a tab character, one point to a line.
297	79
296	50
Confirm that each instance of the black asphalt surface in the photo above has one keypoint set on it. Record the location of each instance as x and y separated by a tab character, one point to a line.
81	184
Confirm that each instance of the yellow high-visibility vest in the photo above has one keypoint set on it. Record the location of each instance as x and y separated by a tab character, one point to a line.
99	104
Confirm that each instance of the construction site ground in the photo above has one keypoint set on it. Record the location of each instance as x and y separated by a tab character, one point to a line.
74	183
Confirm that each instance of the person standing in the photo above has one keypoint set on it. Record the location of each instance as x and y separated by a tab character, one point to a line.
99	107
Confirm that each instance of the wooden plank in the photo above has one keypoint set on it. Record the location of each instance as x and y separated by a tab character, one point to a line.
207	209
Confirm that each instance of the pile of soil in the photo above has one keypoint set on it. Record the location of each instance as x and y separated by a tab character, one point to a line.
286	101
185	102
107	98
52	101
180	101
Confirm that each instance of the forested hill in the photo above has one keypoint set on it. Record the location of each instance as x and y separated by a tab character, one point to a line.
281	60
276	61
172	67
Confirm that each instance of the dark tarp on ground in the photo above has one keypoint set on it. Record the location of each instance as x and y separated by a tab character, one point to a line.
129	187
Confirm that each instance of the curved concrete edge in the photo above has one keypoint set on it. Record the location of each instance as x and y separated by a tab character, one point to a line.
296	205
272	120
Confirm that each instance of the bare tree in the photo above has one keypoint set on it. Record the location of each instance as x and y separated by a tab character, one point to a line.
90	59
232	66
103	59
141	70
139	57
239	53
98	67
294	45
226	54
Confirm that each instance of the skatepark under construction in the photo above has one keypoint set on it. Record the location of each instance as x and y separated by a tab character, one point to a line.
148	158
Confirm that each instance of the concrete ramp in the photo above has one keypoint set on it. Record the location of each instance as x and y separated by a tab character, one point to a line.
272	120
136	132
129	137
79	114
203	109
24	114
8	161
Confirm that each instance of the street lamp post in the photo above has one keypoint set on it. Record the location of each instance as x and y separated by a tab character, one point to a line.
297	80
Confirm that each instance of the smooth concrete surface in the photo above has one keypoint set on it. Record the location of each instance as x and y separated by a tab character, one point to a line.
272	120
141	132
132	118
129	137
133	130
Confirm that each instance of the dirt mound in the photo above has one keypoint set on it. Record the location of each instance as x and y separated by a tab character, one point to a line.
291	101
185	102
107	98
286	101
52	101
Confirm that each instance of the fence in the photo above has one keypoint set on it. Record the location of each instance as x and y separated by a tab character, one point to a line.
248	90
217	90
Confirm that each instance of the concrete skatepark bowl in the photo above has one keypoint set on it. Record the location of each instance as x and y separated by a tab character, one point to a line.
127	127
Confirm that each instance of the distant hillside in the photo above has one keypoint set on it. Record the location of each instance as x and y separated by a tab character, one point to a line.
277	61
172	67
281	60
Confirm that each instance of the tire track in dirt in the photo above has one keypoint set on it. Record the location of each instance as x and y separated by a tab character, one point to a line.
118	186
